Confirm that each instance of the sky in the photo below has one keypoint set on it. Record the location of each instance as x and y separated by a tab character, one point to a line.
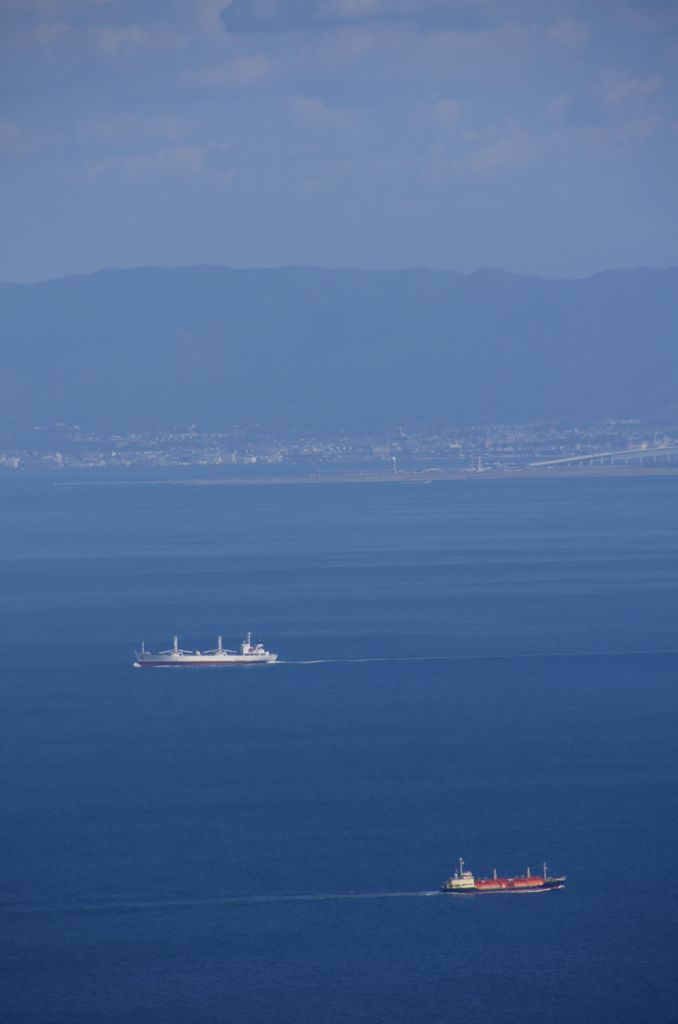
536	136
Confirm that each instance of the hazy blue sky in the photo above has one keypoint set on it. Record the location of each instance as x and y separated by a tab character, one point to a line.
531	135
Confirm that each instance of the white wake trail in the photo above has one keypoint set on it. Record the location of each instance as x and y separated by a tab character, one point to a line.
211	901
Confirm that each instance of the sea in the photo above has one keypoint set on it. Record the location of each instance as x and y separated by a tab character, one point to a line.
485	669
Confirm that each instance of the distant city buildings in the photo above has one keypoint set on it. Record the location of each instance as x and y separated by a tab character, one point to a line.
470	449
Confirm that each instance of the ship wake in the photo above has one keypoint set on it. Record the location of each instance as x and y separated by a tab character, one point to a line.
104	905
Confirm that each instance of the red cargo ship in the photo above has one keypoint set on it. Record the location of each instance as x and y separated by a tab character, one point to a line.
464	881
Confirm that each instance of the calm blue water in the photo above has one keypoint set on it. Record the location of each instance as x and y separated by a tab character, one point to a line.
261	845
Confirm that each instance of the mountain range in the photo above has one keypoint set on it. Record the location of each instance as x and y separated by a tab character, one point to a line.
298	349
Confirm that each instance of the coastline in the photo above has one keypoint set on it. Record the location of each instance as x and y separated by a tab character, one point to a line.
414	476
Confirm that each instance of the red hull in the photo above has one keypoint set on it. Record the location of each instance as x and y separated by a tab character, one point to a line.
501	884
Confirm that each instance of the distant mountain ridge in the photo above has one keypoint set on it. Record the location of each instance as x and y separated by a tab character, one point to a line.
307	349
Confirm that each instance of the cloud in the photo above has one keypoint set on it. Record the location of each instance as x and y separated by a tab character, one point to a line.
266	15
240	71
370	10
639	129
569	33
123	130
9	134
620	88
492	152
447	112
45	33
32	7
183	163
147	166
117	40
557	109
112	39
315	111
74	34
283	16
484	155
207	13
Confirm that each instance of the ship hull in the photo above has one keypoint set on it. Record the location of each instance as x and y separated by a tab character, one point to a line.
488	887
203	661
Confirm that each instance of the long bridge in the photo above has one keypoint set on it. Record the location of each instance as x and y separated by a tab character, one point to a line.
626	456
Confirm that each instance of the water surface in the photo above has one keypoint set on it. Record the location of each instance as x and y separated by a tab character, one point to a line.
485	669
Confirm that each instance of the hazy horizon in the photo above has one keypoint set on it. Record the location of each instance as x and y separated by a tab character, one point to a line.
380	134
330	349
339	267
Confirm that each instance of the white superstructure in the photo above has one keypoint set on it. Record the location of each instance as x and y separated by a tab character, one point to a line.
249	654
461	880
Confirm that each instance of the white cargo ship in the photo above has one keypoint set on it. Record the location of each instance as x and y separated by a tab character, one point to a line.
249	654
